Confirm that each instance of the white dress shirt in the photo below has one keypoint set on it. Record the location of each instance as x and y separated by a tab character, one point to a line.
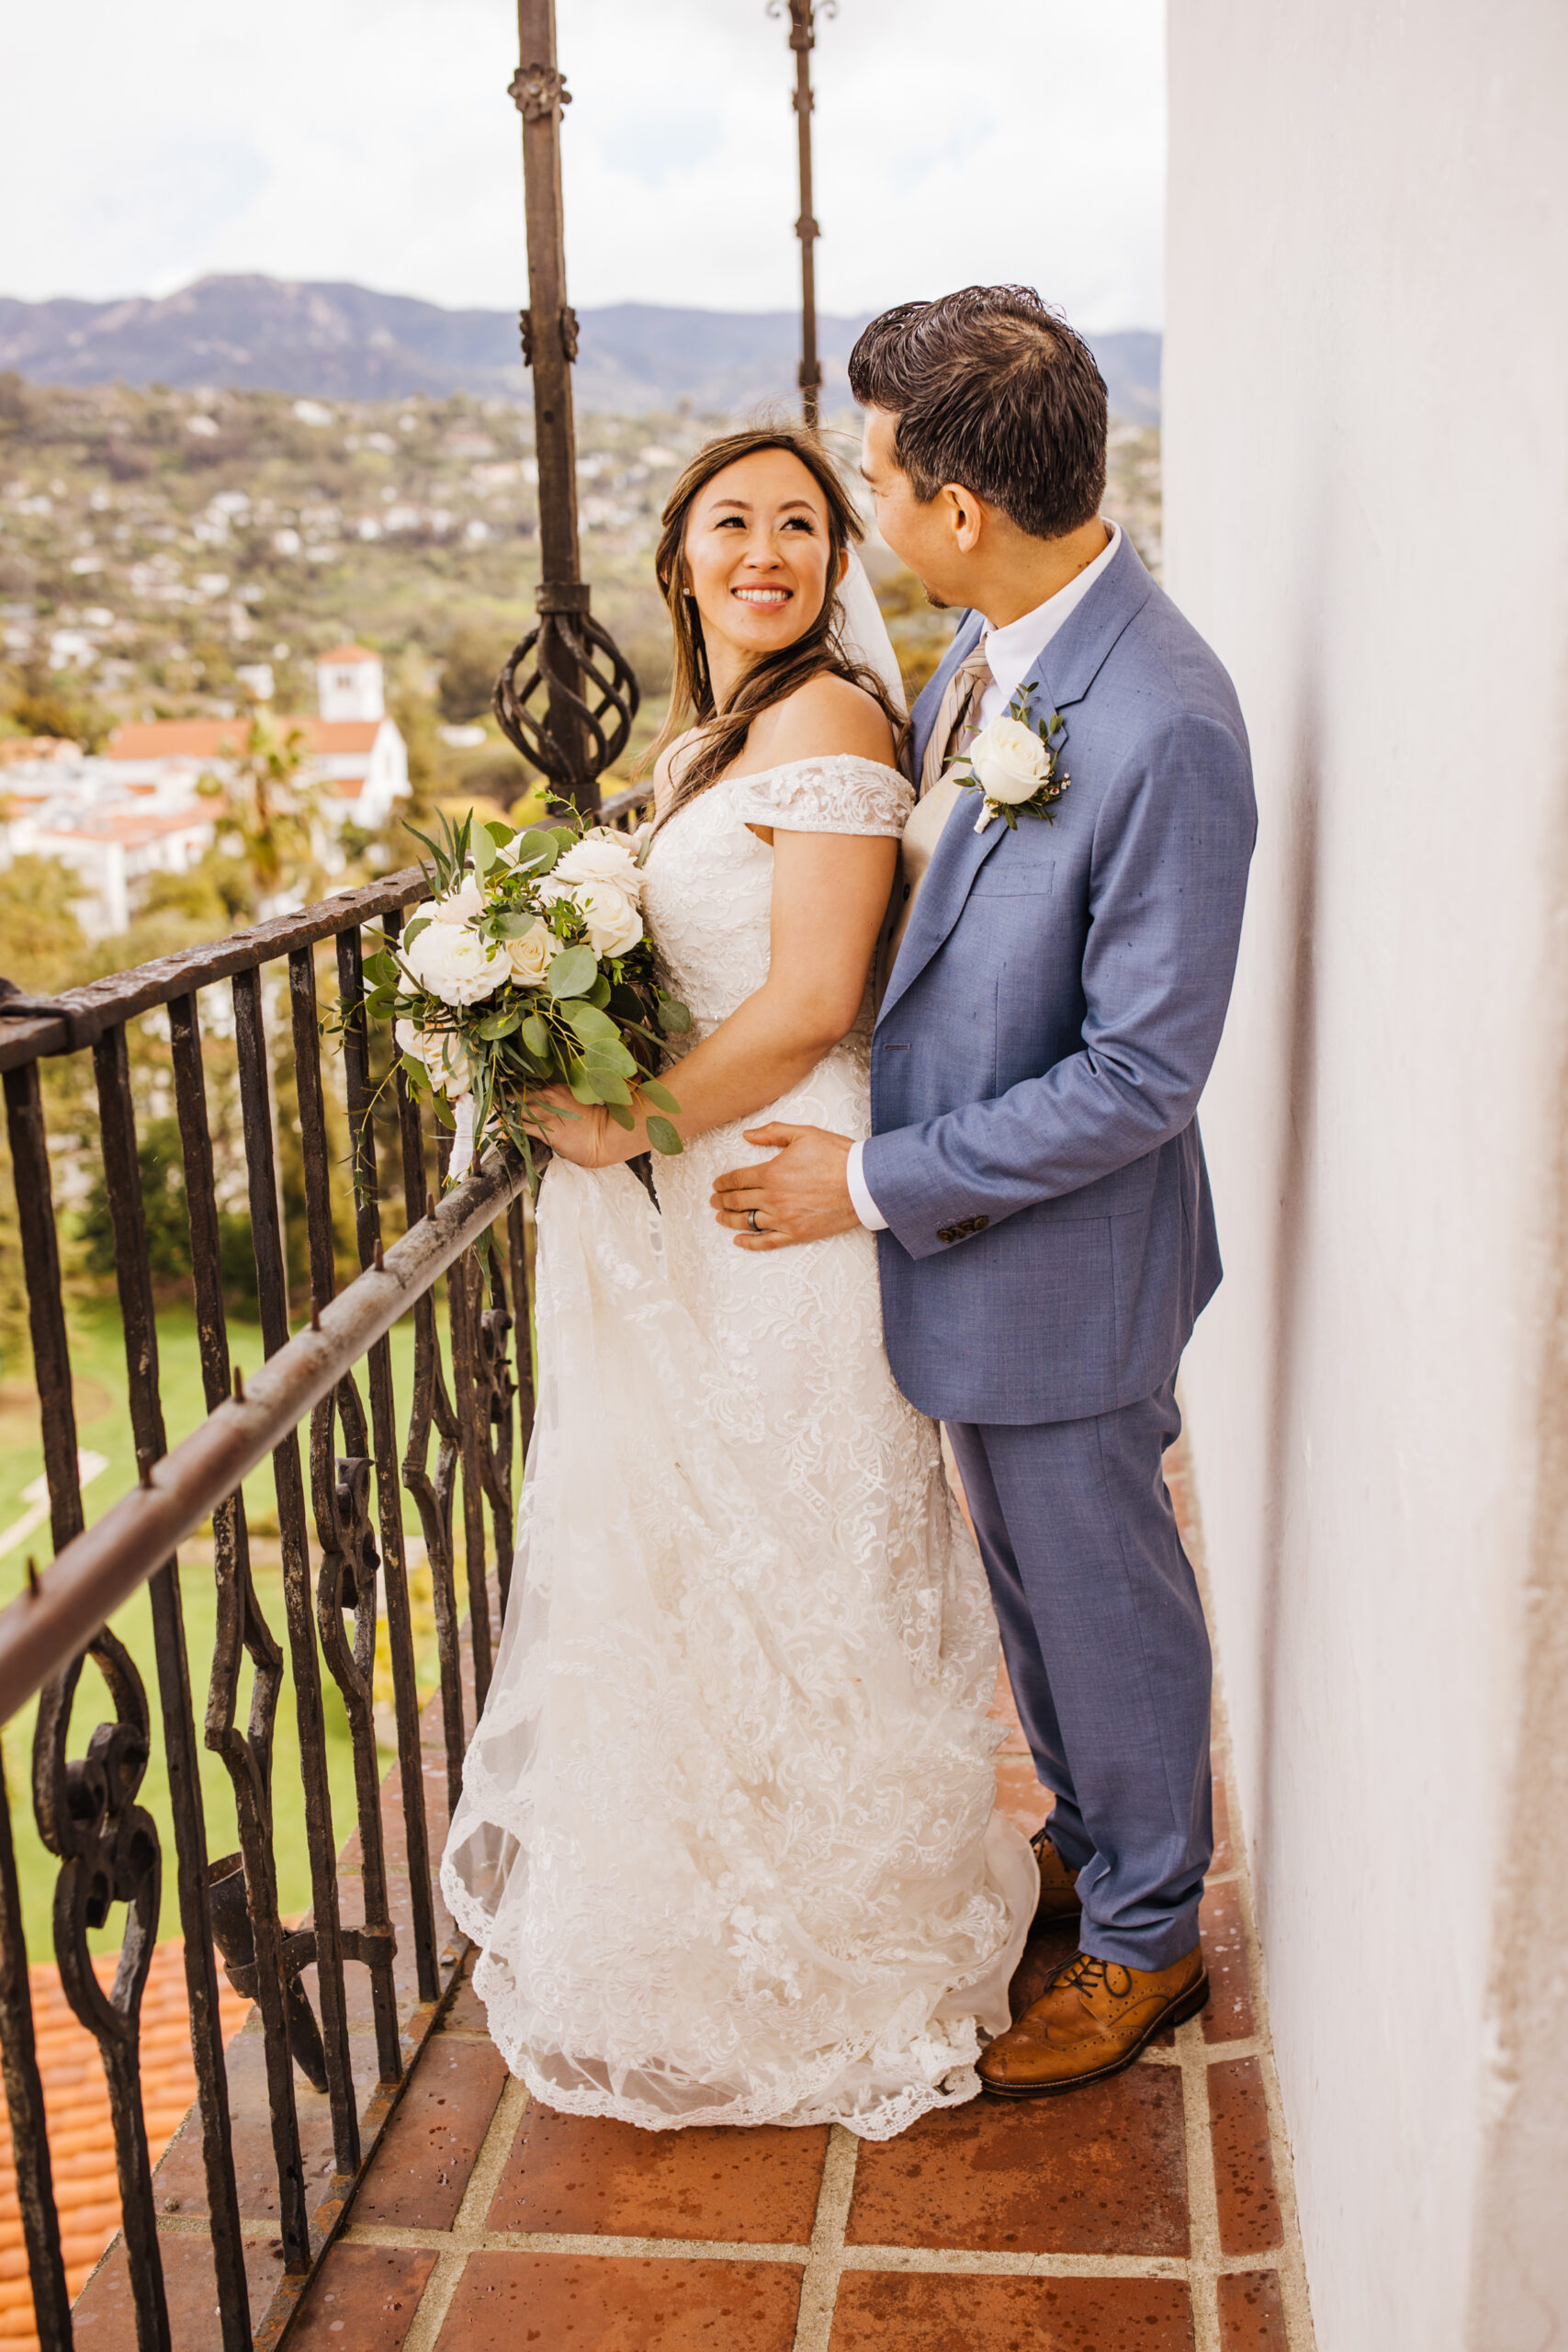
1013	653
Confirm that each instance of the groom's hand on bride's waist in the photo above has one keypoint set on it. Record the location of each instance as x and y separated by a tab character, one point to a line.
803	1194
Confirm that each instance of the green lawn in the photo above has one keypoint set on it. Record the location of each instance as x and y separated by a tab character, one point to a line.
98	1364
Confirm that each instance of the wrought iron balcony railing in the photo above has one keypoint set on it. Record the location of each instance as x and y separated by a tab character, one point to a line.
339	1521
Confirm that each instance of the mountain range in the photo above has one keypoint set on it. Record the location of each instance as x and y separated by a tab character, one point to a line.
349	342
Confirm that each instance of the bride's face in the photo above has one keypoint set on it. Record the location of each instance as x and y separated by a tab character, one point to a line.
756	555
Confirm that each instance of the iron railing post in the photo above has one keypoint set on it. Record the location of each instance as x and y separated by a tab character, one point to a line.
590	693
802	41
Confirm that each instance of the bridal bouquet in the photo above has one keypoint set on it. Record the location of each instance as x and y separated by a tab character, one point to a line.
528	968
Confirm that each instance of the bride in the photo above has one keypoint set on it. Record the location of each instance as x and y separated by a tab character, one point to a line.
726	1835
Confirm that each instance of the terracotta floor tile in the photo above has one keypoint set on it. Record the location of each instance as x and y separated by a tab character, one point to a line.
554	2302
911	2312
105	2313
362	2300
1252	2313
587	2173
466	2013
1228	2016
1243	2166
1101	2172
420	2170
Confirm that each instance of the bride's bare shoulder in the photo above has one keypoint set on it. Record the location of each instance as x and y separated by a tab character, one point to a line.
825	716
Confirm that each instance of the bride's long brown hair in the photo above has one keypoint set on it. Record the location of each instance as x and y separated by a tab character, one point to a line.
819	649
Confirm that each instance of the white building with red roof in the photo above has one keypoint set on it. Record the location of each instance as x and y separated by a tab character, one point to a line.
137	809
352	750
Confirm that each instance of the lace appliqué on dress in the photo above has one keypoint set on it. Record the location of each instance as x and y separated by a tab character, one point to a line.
836	795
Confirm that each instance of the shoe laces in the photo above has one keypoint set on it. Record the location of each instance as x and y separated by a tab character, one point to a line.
1089	1975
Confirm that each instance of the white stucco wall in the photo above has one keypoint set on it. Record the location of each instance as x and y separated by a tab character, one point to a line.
1366	450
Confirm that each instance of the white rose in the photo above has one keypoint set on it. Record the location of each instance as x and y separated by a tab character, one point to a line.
1010	761
614	923
457	965
530	956
603	855
445	1056
458	905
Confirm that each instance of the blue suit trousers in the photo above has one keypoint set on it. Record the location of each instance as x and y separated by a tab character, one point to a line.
1108	1657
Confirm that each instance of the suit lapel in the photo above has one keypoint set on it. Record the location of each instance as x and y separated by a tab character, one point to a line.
1062	676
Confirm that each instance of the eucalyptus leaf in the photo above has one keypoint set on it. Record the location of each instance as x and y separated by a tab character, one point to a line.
583	1083
600	992
674	1017
536	1036
574	972
590	1023
660	1094
420	922
415	1072
623	1114
500	1024
664	1139
481	849
500	834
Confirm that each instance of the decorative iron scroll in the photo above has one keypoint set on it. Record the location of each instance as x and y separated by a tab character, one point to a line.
107	1844
569	644
340	1492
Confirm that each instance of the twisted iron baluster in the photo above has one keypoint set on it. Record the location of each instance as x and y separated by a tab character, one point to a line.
266	1236
116	1122
388	1493
107	1845
242	1632
431	1407
493	1391
340	1494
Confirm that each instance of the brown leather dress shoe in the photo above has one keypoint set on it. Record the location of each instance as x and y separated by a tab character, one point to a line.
1091	2020
1058	1884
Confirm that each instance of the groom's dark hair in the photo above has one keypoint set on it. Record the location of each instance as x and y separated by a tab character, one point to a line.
991	389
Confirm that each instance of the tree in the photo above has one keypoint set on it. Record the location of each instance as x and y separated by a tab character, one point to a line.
271	813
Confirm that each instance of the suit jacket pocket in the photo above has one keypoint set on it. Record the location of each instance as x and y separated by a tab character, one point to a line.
1019	876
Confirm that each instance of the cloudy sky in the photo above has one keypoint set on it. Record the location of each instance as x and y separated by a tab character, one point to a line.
372	140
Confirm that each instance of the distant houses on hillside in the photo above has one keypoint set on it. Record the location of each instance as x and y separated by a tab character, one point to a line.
137	808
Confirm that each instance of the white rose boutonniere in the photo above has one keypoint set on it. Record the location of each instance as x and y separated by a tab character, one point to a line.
1013	763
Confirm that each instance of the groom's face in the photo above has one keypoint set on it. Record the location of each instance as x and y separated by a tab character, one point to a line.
935	535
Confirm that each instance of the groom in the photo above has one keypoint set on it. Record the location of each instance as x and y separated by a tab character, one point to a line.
1054	998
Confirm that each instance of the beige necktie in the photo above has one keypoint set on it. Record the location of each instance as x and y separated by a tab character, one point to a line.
957	717
957	714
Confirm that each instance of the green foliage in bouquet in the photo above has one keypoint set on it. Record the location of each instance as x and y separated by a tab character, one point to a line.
530	969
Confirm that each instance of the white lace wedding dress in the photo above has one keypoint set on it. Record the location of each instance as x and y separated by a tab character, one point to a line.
726	1834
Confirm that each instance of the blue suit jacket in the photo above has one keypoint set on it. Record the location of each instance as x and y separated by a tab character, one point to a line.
1048	1028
